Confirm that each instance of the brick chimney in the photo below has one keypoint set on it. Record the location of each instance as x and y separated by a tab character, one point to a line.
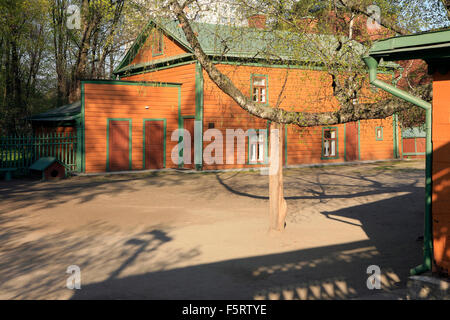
257	21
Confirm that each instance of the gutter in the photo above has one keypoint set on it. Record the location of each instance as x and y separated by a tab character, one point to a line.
372	64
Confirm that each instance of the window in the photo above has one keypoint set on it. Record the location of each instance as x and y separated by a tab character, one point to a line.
329	143
259	89
379	133
157	42
257	146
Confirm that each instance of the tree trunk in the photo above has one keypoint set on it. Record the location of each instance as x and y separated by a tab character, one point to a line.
277	206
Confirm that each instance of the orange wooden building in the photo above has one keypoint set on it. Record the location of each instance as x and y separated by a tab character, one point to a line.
434	49
128	123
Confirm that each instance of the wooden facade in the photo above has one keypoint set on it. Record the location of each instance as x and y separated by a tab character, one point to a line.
441	171
170	90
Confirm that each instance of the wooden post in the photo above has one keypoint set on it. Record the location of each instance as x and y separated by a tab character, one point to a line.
277	206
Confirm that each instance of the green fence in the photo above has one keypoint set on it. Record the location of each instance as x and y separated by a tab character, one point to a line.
21	151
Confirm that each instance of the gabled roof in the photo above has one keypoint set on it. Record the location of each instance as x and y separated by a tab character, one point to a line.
63	113
240	42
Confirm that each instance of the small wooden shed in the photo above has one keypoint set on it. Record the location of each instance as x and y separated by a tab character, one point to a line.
49	167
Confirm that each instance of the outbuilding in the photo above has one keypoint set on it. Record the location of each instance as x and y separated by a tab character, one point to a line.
434	49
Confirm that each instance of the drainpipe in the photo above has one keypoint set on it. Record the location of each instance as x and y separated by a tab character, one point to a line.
428	240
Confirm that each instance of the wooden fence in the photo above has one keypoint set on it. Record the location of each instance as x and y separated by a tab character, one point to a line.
21	151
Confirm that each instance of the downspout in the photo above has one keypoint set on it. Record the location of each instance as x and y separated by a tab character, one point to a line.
372	64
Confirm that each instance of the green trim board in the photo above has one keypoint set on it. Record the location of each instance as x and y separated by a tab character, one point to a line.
376	133
156	65
134	83
253	75
337	143
303	66
144	136
83	130
79	128
395	136
199	103
359	140
130	145
285	144
345	141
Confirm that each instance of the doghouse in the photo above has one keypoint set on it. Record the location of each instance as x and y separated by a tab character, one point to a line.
49	168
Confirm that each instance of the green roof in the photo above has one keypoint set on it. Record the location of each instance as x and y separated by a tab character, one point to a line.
425	45
43	163
244	42
63	113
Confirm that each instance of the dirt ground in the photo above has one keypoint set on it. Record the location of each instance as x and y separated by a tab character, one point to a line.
176	235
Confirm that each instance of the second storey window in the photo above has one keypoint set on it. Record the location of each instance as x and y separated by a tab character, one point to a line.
259	89
329	143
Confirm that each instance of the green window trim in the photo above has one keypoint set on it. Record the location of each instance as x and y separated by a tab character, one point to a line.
376	133
130	144
144	136
323	157
266	148
267	87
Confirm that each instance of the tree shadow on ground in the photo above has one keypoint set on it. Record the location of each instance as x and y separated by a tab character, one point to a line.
329	272
22	193
37	269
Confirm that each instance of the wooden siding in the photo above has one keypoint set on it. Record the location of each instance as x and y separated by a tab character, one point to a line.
304	90
441	171
113	101
184	74
170	49
370	147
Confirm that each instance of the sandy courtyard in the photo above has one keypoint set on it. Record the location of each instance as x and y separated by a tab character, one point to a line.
176	235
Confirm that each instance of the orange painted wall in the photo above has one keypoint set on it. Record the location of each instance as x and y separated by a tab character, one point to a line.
171	49
103	101
184	74
371	148
441	171
304	90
